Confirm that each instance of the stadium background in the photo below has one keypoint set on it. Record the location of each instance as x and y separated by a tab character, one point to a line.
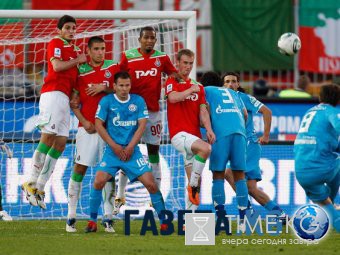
231	36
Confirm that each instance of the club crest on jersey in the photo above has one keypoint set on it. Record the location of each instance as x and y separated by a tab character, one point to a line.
132	107
107	74
157	62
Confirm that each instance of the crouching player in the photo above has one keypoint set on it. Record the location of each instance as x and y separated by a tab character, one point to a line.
124	115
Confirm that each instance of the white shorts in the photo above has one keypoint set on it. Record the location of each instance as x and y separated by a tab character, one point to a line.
182	142
153	131
54	113
89	148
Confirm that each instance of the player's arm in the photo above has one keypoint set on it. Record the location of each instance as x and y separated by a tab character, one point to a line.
136	138
267	120
205	120
98	88
60	65
175	96
117	149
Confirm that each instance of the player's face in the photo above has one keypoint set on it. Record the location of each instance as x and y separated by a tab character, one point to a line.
147	41
230	81
68	31
97	52
122	88
185	65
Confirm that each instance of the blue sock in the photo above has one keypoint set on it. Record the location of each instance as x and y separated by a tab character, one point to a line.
218	194
271	205
95	201
157	203
242	194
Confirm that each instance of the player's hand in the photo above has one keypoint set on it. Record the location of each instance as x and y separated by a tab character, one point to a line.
264	139
119	151
75	101
128	152
211	136
89	127
94	89
81	58
195	88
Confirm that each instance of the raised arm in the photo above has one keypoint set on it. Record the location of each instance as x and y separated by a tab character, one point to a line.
59	65
175	96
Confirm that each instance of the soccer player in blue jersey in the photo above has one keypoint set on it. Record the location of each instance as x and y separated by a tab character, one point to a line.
228	117
120	121
253	171
317	152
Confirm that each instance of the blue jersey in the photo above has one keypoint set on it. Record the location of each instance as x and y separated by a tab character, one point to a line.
121	117
225	111
253	106
317	142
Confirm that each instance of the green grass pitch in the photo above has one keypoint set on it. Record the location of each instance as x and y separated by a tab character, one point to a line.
49	237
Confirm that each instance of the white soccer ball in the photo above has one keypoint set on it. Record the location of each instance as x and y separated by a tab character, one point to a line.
289	44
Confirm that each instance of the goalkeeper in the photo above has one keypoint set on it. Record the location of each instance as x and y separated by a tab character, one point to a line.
95	79
54	108
120	121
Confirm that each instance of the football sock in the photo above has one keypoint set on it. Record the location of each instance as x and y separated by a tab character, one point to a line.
95	200
108	197
197	169
242	196
334	187
38	160
156	169
218	194
122	181
47	170
157	202
74	190
271	205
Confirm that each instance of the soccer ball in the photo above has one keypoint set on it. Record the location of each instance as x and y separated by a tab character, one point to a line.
289	44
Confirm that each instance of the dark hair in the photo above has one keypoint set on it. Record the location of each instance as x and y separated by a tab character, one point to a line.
231	73
64	19
122	75
185	52
148	28
95	39
303	82
330	94
211	79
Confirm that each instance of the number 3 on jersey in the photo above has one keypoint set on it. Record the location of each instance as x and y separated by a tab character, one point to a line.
306	121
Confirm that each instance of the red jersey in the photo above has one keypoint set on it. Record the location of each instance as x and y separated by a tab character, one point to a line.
185	115
63	81
146	72
92	76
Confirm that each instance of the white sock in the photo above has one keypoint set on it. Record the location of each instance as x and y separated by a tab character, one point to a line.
122	182
157	174
38	160
46	172
197	169
109	199
74	190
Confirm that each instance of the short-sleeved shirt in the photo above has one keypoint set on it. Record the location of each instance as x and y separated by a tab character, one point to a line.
317	142
184	116
63	81
121	117
92	76
146	72
226	111
253	106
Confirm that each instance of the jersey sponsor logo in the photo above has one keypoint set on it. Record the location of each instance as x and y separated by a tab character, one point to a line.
123	123
107	74
157	62
132	107
220	110
141	73
192	97
57	52
169	88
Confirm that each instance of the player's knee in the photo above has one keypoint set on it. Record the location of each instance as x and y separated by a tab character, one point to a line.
206	150
151	187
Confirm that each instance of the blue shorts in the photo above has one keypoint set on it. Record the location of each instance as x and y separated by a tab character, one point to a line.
231	147
318	185
133	168
253	171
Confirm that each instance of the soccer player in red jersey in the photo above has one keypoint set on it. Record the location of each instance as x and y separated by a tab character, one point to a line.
95	80
54	108
145	66
187	109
